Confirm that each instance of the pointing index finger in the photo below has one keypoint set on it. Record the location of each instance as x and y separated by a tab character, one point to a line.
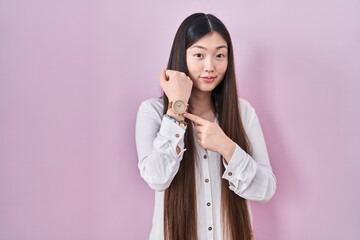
195	118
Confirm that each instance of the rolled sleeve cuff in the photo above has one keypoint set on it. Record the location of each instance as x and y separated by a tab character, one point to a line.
173	132
239	170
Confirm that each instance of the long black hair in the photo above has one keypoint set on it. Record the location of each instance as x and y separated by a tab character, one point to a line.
180	220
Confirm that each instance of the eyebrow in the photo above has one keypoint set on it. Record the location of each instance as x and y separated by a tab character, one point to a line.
198	46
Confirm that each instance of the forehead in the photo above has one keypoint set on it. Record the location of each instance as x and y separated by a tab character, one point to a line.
209	41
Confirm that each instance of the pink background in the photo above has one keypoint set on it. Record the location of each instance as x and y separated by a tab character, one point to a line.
73	73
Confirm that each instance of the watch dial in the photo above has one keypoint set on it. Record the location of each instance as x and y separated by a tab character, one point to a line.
179	107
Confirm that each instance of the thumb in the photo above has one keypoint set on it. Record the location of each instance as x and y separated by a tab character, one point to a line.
163	76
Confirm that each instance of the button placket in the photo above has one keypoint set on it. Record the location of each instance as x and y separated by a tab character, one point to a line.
204	159
208	195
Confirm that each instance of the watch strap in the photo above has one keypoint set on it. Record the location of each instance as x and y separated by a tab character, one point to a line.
171	107
181	123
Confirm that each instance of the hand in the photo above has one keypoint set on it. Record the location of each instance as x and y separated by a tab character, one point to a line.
211	136
176	85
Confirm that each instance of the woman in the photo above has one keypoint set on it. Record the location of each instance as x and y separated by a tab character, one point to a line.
200	147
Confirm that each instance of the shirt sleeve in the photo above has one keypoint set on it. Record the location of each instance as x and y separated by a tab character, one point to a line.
157	138
251	176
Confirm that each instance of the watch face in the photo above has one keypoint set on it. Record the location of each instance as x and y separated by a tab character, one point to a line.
179	107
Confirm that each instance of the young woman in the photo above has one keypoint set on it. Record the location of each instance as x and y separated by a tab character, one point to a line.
200	147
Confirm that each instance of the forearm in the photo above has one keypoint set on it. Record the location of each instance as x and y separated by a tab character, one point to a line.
227	149
159	157
178	117
159	168
248	178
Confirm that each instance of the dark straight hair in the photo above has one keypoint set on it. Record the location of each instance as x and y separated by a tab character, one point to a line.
180	218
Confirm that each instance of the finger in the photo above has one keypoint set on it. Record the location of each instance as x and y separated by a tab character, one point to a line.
163	76
195	118
170	72
198	135
198	128
200	142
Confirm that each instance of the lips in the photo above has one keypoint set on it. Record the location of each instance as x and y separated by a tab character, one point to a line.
208	79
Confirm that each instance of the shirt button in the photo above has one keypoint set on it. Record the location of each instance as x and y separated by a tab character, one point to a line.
206	180
205	157
230	173
210	228
177	135
208	204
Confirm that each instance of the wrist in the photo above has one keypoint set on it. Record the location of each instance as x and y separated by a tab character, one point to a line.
174	115
184	99
181	123
178	107
229	150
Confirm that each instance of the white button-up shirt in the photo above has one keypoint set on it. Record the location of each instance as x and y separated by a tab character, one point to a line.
250	177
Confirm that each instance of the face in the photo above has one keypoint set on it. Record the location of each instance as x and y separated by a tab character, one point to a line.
207	61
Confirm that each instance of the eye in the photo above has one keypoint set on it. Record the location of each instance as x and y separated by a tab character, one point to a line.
220	55
198	55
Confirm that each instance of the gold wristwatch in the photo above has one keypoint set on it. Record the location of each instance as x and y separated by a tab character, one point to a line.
181	123
179	107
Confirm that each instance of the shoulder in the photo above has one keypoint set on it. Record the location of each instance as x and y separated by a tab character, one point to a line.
153	103
245	106
153	106
247	111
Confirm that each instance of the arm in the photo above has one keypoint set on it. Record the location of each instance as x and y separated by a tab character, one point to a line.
157	139
251	177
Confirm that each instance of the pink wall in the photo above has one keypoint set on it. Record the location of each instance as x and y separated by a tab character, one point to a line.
72	75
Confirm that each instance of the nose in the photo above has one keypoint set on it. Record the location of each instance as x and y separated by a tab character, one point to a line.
209	65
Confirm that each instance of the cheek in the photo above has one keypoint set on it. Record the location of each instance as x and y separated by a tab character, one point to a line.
222	68
189	64
193	67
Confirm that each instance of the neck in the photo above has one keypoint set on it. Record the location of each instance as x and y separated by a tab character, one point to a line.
201	104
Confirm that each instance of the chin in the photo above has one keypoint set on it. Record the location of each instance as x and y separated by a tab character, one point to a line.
205	88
